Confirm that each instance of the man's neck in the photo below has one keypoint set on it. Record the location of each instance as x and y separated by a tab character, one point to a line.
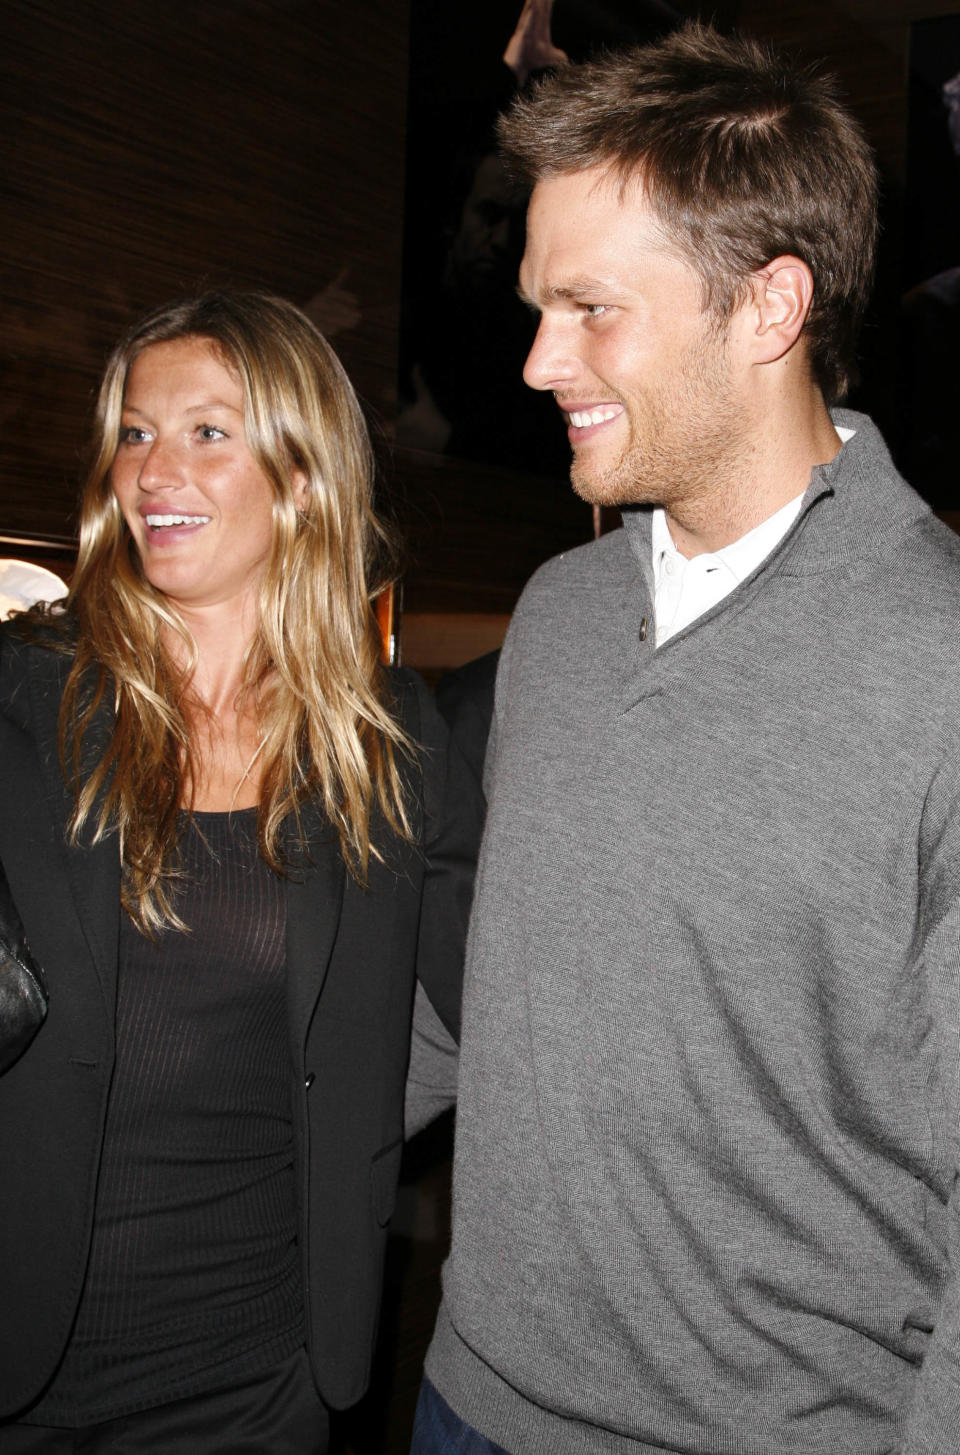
788	447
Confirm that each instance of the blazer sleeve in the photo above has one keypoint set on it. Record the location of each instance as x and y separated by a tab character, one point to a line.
453	809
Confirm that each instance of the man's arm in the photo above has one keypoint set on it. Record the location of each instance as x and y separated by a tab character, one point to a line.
932	1425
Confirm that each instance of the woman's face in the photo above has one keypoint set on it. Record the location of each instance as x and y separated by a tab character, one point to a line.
197	504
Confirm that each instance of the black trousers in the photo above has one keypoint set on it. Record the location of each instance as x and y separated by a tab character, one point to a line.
280	1413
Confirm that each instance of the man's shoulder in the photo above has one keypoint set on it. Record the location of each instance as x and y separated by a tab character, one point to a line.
920	590
872	520
607	563
915	558
933	547
572	604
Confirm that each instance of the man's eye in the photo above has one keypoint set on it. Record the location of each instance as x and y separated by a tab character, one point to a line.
595	310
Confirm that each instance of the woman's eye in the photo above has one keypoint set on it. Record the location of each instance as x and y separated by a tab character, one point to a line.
211	432
131	434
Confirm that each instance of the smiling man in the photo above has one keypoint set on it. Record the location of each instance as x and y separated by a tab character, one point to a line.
707	1140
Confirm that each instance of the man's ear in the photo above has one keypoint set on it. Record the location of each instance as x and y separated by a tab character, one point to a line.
782	297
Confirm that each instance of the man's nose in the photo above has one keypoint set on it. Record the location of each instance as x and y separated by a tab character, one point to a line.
552	362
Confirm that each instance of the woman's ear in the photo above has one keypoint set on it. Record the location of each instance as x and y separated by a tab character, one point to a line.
300	486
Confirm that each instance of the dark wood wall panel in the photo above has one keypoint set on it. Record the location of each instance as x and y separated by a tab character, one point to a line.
154	148
476	533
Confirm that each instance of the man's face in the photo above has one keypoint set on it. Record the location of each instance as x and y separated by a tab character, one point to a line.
652	388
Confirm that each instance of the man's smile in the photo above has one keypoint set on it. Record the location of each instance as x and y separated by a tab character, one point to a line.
586	419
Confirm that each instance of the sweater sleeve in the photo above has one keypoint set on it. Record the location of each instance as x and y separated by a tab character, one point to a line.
932	1425
933	1422
432	1077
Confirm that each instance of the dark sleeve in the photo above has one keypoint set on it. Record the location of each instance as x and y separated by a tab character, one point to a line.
453	810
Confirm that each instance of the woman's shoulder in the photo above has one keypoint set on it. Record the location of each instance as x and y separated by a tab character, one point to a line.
415	707
408	697
43	629
34	647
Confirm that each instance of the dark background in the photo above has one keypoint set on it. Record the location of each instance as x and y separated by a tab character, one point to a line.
153	148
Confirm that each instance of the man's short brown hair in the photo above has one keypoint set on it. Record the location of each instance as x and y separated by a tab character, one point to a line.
744	156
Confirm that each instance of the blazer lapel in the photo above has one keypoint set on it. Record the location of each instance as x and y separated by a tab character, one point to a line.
93	873
315	886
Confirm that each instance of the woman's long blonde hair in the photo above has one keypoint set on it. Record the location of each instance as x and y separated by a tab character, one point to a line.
323	708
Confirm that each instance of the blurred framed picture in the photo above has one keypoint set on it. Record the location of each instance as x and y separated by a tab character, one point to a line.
929	357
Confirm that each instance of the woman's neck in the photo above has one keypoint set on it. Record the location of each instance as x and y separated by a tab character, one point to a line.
222	713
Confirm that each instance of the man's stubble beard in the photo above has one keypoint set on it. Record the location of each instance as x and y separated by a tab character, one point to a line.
684	441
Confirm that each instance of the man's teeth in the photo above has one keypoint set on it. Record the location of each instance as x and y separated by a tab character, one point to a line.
581	418
160	520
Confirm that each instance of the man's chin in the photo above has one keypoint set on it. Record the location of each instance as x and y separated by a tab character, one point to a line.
599	487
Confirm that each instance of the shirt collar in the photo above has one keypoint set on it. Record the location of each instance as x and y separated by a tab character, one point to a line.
741	557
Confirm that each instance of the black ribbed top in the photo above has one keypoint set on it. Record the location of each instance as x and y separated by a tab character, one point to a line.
193	1279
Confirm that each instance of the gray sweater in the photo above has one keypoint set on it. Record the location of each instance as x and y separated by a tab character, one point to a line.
709	1108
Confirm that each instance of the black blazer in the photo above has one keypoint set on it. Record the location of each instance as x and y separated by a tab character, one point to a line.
352	958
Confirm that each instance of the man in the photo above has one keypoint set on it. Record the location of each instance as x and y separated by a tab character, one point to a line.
709	1107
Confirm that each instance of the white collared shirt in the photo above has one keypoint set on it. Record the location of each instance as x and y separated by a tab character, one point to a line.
685	589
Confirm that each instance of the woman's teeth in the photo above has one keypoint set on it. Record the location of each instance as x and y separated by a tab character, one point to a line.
158	521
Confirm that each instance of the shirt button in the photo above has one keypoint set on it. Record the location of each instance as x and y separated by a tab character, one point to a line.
311	1078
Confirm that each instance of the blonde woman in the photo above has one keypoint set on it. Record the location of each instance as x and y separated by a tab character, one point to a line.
234	841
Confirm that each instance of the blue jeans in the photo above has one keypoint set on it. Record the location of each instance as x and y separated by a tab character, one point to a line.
438	1431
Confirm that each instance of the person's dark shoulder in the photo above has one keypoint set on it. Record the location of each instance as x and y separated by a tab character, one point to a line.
39	629
465	699
35	644
469	690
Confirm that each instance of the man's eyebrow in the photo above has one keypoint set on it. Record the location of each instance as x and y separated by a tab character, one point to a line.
583	288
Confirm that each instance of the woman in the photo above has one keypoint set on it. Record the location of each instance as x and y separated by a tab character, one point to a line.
228	833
